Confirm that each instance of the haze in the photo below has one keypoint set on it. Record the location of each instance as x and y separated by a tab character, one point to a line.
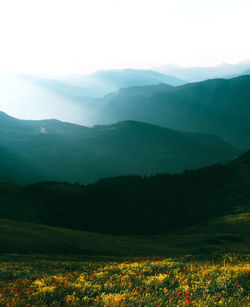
74	36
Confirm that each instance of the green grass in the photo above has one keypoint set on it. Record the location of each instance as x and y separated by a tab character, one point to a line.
225	235
140	282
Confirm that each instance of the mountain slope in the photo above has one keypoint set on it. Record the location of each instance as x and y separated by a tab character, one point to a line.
136	205
61	151
29	238
215	106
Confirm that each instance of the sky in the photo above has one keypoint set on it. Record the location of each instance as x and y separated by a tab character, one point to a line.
81	36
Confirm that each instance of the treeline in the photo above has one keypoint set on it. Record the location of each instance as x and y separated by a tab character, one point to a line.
142	204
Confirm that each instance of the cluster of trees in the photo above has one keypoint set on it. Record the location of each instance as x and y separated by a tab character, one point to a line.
143	205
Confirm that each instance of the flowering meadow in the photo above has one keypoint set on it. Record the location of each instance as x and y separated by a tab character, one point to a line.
177	281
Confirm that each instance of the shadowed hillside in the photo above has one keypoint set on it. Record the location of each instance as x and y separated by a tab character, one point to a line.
215	106
29	238
134	204
54	150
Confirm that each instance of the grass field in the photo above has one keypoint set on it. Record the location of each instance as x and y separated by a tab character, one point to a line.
177	281
51	266
224	235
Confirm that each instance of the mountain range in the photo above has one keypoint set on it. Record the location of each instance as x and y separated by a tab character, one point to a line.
68	98
216	106
104	82
52	150
196	74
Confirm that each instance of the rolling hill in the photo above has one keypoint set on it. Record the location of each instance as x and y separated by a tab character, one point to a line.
36	239
54	150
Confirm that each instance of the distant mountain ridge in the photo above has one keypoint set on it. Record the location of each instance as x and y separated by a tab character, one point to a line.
68	98
216	106
53	150
245	72
197	74
106	81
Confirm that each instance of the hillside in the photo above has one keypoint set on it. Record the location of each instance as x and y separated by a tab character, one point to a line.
215	106
54	150
134	204
29	238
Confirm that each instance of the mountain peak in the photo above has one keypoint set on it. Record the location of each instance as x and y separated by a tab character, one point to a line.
5	116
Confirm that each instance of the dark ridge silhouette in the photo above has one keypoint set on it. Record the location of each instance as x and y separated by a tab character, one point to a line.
61	151
134	204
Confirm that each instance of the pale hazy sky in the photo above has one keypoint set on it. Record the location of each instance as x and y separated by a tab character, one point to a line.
81	36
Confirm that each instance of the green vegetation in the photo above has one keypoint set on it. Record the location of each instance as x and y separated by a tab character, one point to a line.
178	281
225	235
134	204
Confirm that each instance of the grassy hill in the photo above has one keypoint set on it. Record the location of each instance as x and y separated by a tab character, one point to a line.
203	211
226	235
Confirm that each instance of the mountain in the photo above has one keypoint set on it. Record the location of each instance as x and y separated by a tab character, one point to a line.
192	202
68	98
216	106
106	81
53	150
196	74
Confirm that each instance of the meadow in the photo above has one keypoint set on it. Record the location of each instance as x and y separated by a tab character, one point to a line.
178	281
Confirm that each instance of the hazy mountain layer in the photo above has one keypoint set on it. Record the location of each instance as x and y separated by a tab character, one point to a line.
68	98
196	74
245	72
215	106
103	82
